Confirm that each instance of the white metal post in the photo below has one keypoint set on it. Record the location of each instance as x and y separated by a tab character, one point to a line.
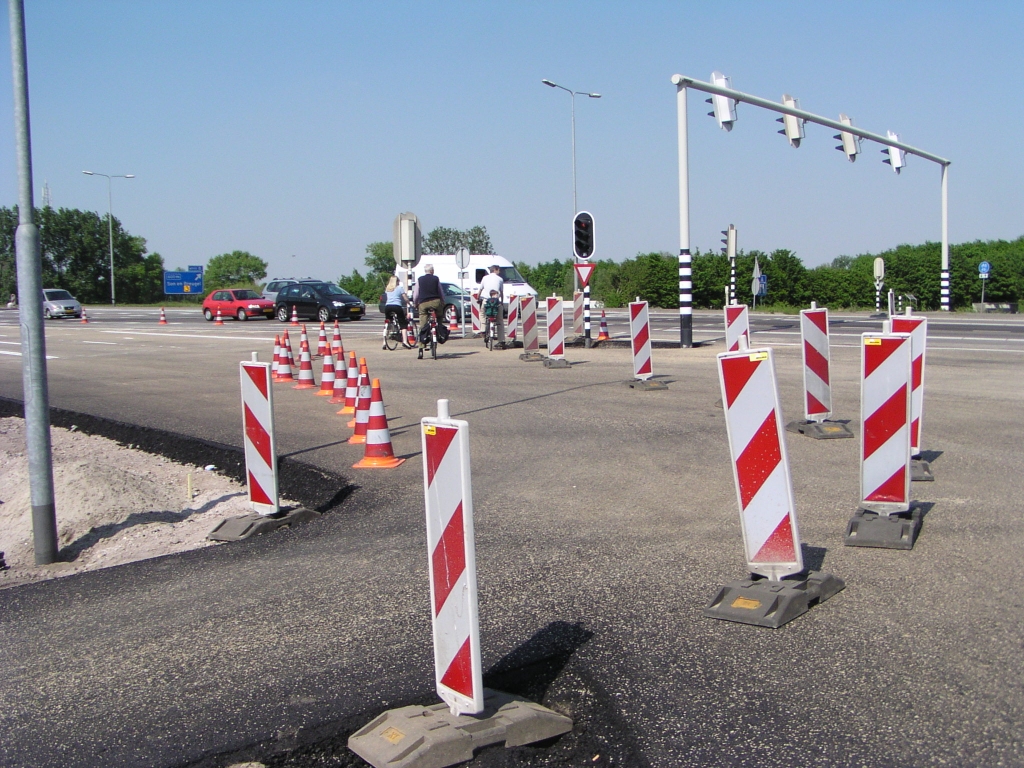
685	262
944	280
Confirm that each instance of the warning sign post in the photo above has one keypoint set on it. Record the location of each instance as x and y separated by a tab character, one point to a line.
779	589
817	382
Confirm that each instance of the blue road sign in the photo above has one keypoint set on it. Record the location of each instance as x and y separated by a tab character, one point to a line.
984	268
763	291
183	282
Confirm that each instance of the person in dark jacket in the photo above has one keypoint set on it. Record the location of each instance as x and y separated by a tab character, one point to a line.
428	297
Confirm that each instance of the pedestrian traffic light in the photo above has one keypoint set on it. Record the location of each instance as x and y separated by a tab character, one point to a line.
792	127
851	143
583	235
730	241
895	157
724	107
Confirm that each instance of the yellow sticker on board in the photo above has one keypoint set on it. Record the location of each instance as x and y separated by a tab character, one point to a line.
430	429
746	602
872	342
757	357
392	735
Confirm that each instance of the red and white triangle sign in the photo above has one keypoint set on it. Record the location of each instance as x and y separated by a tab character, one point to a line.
584	271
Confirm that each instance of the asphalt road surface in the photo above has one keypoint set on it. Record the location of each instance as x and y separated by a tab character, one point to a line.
606	519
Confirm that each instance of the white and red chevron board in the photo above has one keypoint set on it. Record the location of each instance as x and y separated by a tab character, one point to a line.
737	326
917	327
474	304
450	543
512	323
258	429
885	422
760	465
640	335
556	328
531	340
577	313
817	386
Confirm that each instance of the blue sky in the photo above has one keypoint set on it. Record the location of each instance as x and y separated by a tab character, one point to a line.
303	128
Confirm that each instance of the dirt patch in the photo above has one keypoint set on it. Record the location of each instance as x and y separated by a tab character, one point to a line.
115	504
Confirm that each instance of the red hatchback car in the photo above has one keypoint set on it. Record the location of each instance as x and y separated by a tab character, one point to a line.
237	302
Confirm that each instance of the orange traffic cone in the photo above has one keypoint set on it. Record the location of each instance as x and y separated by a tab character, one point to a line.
363	371
306	380
453	325
321	342
338	352
337	330
362	409
277	358
303	337
284	363
603	336
286	353
163	317
295	316
219	320
340	382
379	453
351	386
327	377
85	320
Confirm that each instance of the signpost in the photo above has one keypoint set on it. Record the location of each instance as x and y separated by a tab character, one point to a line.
407	244
879	280
183	283
983	272
462	259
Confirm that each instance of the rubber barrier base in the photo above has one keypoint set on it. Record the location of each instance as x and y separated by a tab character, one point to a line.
870	529
825	430
253	524
921	471
646	385
765	603
532	357
556	362
432	737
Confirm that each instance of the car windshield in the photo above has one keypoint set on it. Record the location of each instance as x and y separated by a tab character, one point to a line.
334	291
58	296
454	290
510	275
246	295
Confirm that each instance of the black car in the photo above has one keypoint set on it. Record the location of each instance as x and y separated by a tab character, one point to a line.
456	301
318	301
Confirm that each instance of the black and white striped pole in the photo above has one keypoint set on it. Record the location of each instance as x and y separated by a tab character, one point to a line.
730	251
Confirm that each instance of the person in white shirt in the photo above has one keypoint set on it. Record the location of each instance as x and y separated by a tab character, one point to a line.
492	282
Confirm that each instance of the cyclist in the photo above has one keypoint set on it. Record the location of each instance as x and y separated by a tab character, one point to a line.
428	297
395	301
492	313
493	282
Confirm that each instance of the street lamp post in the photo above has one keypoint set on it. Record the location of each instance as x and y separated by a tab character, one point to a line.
110	222
572	101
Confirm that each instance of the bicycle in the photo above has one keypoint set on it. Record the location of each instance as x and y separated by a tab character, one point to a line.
491	334
395	334
432	324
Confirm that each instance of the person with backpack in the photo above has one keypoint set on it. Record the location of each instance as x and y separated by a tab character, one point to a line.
428	297
490	283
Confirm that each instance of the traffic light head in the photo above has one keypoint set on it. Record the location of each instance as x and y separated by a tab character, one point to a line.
724	108
583	235
792	127
894	156
850	143
729	241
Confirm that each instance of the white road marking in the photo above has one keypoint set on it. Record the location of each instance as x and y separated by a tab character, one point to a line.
18	354
15	343
113	343
196	336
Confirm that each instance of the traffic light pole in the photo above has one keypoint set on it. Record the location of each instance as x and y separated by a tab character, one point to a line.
683	83
685	261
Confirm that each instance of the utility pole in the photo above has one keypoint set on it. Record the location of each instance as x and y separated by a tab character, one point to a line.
30	311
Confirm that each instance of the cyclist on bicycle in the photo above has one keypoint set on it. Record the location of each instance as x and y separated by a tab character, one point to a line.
427	297
395	301
488	285
492	311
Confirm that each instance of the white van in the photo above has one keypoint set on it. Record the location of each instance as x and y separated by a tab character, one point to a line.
479	265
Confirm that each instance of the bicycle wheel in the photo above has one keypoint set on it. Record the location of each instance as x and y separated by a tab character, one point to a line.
392	333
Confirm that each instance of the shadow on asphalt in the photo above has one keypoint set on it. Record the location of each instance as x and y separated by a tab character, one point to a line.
931	456
536	397
814	557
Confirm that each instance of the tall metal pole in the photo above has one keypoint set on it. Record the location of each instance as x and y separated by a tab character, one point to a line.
685	262
110	233
944	279
30	302
575	208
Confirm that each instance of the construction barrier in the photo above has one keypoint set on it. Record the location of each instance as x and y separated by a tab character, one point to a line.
478	327
817	386
556	334
258	428
450	541
737	326
577	313
917	327
885	445
640	337
764	492
378	453
327	375
512	323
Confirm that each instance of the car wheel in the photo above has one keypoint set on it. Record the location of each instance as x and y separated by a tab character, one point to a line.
450	314
242	315
208	315
282	313
324	314
46	313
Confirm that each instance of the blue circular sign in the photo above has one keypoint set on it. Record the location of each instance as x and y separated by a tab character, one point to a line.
984	268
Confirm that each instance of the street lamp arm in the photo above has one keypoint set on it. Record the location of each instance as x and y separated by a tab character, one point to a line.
687	82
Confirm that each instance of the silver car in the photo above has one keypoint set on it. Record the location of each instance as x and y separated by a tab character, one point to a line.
59	303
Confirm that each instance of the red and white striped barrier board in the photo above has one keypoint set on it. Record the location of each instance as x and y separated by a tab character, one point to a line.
478	327
640	334
917	327
531	340
885	420
512	323
452	551
258	426
760	465
556	328
817	386
737	326
577	313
